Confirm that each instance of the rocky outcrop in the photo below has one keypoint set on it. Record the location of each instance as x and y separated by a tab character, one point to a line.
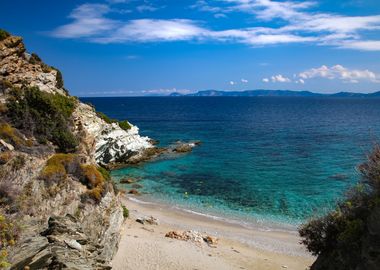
19	68
64	221
67	221
108	143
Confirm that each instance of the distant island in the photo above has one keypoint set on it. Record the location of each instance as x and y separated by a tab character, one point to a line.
271	93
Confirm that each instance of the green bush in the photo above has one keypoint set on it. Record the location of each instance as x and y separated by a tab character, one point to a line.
105	118
11	135
106	174
344	232
59	165
45	116
3	34
59	78
125	125
34	59
125	211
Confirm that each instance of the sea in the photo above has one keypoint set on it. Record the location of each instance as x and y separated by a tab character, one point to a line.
262	160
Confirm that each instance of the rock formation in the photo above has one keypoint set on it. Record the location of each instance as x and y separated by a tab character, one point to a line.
59	208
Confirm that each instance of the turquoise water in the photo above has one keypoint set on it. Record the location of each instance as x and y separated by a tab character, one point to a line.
261	159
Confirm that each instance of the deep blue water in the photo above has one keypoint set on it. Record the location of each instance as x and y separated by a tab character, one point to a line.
261	158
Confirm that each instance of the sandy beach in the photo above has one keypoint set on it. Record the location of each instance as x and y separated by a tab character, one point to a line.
145	247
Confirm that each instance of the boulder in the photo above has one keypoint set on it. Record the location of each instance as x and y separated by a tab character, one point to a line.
127	181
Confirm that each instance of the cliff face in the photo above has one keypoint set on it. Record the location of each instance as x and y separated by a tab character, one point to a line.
60	210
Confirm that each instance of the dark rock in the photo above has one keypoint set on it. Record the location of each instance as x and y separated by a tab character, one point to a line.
127	181
134	192
183	148
339	176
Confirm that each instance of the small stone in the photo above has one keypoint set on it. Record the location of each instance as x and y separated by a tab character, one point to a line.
134	192
74	244
210	240
140	220
127	181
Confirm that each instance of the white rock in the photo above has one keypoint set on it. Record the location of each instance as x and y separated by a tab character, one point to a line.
110	142
73	244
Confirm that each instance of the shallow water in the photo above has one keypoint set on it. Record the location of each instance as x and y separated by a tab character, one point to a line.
262	158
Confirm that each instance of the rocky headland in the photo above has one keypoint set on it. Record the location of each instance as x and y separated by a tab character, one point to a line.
58	205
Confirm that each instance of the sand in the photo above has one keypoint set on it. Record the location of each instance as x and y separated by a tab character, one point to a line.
145	247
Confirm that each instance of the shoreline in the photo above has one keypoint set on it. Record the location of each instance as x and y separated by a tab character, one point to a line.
146	247
263	224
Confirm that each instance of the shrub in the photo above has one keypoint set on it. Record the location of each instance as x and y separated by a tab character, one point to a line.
94	180
5	157
11	135
35	59
43	115
105	118
59	78
96	194
91	176
105	173
125	125
9	233
3	34
58	166
343	230
125	211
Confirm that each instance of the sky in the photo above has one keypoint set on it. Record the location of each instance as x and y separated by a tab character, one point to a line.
155	47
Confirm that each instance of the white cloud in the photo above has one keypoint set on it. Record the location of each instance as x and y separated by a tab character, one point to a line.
244	81
220	15
143	8
317	27
266	80
280	78
165	91
88	20
341	73
232	83
369	45
151	30
300	25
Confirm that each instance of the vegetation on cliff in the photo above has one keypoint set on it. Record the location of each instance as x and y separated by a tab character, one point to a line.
3	34
349	237
45	116
48	169
123	124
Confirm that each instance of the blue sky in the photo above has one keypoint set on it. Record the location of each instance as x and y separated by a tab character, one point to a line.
132	47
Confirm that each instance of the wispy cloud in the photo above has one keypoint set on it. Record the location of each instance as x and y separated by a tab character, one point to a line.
300	25
88	20
165	91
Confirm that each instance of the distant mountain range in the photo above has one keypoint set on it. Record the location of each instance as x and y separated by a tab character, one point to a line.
270	93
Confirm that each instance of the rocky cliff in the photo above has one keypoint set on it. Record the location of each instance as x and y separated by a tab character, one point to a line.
58	206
